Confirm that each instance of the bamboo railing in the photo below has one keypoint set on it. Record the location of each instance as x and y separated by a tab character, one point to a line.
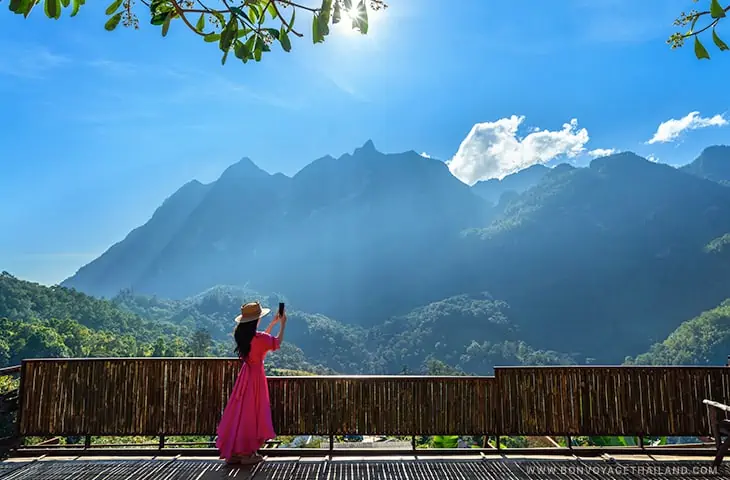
186	396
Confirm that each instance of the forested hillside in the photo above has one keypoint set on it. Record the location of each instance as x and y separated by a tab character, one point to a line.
38	321
703	340
466	333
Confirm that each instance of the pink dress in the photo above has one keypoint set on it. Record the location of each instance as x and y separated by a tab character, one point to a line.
246	423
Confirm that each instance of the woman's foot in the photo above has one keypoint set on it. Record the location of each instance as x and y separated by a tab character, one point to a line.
251	459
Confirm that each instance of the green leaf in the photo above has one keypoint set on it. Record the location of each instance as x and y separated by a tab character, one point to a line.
22	6
253	13
291	22
158	19
716	10
200	25
76	4
16	6
229	33
324	18
324	11
258	49
284	40
700	50
348	4
238	12
720	44
65	3
251	45
166	25
272	10
52	8
336	15
241	50
113	7
212	37
360	21
317	36
273	32
225	57
112	23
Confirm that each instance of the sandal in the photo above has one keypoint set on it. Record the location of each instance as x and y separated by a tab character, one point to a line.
252	459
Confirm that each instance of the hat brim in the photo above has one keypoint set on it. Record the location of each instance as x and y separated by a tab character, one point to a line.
242	319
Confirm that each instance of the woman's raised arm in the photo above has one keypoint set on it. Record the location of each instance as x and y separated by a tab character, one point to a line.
274	321
282	327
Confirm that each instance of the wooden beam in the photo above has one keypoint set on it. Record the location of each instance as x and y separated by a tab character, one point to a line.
556	444
10	370
717	405
322	452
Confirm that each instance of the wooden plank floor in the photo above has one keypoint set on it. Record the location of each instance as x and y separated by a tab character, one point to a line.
396	468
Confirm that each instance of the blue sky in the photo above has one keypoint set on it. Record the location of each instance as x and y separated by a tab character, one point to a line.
99	128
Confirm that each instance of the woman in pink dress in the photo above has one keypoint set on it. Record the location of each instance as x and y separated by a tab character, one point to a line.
246	423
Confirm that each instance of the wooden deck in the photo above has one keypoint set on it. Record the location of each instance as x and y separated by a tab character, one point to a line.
385	468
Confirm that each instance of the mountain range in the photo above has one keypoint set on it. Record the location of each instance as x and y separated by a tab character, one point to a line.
598	262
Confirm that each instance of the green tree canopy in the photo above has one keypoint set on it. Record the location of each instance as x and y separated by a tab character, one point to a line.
248	28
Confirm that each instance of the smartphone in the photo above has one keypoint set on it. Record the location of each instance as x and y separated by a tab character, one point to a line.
281	308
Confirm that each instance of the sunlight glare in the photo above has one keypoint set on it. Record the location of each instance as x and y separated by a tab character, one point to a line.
344	27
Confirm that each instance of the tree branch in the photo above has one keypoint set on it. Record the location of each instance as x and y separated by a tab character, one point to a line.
286	24
709	26
181	13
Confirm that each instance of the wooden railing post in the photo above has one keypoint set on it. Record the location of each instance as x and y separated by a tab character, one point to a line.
10	406
87	441
162	442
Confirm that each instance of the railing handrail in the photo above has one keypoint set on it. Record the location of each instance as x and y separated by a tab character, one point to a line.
211	359
496	367
9	370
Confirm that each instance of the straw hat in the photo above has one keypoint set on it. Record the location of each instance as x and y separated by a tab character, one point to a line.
251	312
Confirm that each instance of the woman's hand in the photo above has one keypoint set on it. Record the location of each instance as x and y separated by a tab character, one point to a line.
273	323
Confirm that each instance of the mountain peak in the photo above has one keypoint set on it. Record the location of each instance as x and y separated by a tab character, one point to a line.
244	168
712	164
716	149
619	159
367	147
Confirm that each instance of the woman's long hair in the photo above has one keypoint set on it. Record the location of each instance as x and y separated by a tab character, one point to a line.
243	334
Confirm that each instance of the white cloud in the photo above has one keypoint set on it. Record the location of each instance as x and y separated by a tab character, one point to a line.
652	158
425	155
601	152
28	61
493	149
673	128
